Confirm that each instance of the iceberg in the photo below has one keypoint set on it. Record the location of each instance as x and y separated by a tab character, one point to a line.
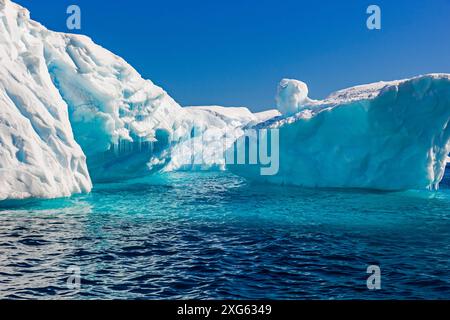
214	131
73	114
387	135
38	153
72	111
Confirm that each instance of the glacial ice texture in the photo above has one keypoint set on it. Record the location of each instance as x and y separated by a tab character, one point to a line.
70	106
72	112
387	135
38	154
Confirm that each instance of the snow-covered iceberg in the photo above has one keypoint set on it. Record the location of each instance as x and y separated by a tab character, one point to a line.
60	92
214	129
38	154
72	112
387	135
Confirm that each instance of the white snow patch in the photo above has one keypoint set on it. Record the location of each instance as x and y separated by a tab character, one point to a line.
38	154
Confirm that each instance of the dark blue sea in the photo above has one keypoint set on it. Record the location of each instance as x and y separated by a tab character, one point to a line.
216	236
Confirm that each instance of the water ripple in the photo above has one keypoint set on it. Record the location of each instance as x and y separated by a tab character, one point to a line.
212	235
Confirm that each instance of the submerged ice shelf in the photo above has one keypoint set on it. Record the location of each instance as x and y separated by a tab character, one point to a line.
72	112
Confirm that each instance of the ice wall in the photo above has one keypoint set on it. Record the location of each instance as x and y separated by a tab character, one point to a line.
387	135
38	154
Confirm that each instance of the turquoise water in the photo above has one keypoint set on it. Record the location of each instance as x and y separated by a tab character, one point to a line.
214	235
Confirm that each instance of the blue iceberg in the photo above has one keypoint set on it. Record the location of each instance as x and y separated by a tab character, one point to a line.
387	135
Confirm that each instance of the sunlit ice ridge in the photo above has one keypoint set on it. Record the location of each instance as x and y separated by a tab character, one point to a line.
74	114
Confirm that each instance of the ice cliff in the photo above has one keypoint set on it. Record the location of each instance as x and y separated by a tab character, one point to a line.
387	135
38	154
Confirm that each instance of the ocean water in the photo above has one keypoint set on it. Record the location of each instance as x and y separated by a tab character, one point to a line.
215	236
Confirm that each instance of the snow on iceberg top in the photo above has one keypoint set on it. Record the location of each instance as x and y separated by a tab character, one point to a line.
298	106
370	91
291	95
238	114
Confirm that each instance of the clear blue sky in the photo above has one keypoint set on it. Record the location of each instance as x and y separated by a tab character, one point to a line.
234	52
